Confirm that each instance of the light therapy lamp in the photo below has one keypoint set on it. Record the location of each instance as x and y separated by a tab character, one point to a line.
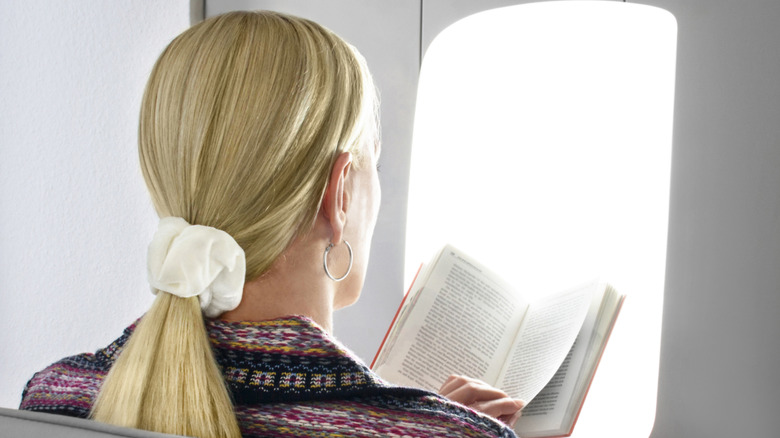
542	147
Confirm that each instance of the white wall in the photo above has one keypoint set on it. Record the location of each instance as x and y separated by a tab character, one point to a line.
75	218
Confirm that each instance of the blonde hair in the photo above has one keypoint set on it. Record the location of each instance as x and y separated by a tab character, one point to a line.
242	120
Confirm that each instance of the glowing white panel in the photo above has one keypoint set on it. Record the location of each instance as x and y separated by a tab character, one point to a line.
542	146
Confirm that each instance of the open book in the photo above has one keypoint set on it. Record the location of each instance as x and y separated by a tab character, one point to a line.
459	318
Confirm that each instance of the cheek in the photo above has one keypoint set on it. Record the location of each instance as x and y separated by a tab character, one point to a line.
377	195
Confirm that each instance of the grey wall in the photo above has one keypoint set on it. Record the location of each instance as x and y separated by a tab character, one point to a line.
720	357
75	217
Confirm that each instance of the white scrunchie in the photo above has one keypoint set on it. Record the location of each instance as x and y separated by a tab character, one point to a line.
194	260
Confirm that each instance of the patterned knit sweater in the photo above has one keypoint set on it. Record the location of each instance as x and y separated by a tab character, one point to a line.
288	378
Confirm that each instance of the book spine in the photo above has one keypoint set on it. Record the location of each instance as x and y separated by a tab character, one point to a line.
598	362
395	317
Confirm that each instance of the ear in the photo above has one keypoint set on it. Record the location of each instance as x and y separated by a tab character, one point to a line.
334	203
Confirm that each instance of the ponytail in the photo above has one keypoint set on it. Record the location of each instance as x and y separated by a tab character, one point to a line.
166	378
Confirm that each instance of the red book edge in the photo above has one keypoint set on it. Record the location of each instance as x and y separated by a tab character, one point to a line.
606	342
397	312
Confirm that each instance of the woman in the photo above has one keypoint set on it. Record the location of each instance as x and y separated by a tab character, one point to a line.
258	143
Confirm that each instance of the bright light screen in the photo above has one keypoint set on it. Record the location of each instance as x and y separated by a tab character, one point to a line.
542	146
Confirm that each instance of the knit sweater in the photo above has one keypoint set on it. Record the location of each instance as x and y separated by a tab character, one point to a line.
288	378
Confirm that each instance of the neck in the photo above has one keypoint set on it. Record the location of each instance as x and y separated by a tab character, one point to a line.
295	285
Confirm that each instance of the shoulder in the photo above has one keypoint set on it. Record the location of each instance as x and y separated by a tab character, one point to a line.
434	415
70	385
401	412
67	387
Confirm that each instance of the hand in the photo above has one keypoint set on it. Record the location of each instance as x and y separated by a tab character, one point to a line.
482	397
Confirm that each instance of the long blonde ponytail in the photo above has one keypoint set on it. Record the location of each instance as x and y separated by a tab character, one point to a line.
242	119
166	379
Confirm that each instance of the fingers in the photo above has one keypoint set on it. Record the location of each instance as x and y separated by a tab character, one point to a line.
467	390
505	409
455	381
449	384
482	397
475	391
510	420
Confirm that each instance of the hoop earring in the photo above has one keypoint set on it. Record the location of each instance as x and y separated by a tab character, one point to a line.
325	262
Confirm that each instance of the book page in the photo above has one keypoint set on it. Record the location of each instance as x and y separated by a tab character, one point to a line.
402	314
544	339
545	414
463	322
554	410
599	335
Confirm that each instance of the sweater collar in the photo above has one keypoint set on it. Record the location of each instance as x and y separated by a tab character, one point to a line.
292	335
287	359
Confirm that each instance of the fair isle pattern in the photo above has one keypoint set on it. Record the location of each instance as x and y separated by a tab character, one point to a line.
288	378
361	417
70	386
289	359
65	386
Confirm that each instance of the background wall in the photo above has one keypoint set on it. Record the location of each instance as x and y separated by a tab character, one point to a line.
720	357
75	221
75	218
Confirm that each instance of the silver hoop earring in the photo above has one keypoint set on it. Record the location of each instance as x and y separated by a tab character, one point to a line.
325	262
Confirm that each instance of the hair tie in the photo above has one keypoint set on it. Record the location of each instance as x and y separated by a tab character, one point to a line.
194	260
